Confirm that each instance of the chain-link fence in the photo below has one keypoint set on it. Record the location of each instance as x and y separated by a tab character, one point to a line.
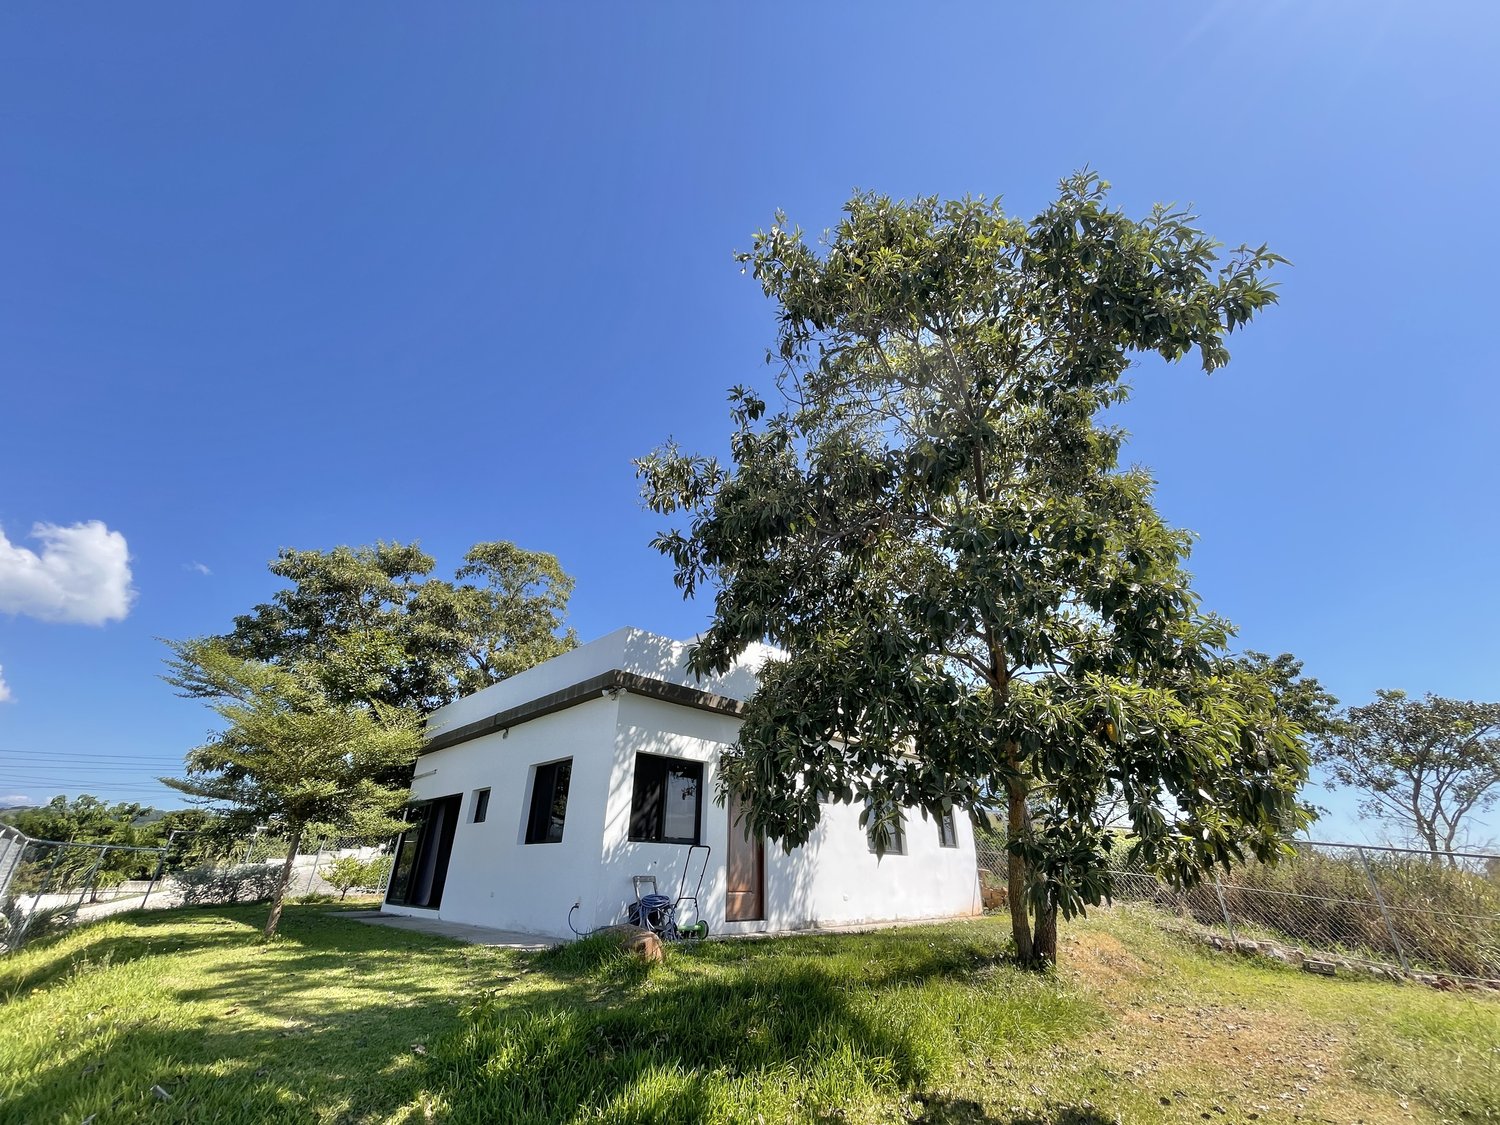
1387	910
47	884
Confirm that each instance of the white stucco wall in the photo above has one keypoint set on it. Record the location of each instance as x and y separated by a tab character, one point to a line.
495	879
628	649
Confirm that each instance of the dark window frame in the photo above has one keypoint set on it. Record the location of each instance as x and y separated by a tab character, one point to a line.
479	809
648	794
547	808
897	844
947	828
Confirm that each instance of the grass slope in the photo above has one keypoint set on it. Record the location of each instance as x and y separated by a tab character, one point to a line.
339	1021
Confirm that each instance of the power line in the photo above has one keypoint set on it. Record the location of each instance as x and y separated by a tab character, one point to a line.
84	786
86	759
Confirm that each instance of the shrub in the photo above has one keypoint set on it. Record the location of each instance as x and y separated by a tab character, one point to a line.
206	885
19	925
344	873
376	870
349	872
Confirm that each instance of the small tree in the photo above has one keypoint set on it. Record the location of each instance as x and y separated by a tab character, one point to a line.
979	607
1428	765
346	872
288	754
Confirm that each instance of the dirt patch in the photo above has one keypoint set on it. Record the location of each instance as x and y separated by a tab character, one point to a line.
1217	1061
1242	1063
1101	962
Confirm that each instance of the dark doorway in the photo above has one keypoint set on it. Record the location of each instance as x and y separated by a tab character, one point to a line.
421	864
745	870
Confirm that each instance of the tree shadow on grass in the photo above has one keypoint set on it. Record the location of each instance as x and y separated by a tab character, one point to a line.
939	1109
320	1023
190	929
150	934
726	1034
343	1021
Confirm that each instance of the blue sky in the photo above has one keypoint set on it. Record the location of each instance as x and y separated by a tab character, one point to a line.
331	274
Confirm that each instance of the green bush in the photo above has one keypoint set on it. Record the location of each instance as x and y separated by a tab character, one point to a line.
19	925
208	885
349	872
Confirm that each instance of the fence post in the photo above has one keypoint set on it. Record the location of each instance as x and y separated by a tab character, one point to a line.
15	844
313	874
17	932
1224	906
161	863
88	889
250	846
390	868
1384	913
45	888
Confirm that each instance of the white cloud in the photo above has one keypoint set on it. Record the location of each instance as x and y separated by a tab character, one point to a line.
196	567
11	800
5	695
81	575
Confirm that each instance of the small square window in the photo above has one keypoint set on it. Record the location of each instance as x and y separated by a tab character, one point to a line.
480	806
549	802
947	830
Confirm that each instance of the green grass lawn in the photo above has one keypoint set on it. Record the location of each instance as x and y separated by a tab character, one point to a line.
340	1021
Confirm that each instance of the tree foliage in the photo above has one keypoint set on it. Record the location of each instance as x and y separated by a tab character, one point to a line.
349	871
1429	765
1302	698
290	753
979	607
379	628
87	820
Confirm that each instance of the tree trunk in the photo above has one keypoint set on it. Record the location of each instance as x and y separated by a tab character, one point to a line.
293	842
1018	877
1044	941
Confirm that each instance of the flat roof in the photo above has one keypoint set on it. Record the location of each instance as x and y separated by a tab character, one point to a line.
626	660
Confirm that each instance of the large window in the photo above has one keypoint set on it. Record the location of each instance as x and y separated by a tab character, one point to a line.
421	864
667	804
549	802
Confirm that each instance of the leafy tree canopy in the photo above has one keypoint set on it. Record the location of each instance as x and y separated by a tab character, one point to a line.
290	754
1429	766
86	820
978	605
379	628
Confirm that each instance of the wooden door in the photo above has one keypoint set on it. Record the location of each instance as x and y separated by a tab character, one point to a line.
745	870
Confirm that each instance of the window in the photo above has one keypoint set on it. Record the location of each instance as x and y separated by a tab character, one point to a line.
549	802
480	805
895	830
947	830
668	800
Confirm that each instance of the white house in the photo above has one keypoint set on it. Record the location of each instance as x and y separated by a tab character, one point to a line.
558	785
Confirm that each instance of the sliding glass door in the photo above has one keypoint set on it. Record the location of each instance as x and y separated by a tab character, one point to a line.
421	863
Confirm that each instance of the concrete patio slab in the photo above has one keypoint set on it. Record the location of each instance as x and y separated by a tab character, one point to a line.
455	931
